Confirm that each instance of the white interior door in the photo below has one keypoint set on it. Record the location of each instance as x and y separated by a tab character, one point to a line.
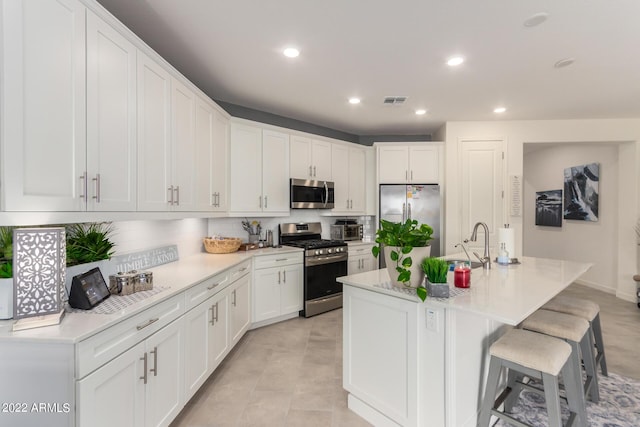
482	188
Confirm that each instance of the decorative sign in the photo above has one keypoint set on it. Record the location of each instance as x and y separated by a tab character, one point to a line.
146	259
515	195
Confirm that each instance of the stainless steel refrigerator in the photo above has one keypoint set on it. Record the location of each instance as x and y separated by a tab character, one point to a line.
416	201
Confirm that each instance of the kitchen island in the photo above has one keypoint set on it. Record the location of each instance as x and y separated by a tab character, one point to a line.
409	363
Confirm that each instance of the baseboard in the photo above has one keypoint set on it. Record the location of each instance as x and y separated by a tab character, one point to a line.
274	320
631	297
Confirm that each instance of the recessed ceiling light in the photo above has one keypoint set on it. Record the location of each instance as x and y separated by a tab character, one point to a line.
536	19
455	61
499	110
291	52
421	112
354	100
564	63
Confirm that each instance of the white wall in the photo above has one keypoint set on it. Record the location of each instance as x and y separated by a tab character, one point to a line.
596	242
518	133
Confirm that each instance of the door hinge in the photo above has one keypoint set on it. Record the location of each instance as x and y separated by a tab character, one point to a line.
503	155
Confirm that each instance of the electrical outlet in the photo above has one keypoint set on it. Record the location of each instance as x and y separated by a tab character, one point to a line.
432	320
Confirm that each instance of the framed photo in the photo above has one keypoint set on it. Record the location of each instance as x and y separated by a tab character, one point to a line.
549	208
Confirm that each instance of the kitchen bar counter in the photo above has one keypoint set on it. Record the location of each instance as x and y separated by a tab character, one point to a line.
409	363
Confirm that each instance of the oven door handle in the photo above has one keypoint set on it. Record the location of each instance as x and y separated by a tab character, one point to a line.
311	261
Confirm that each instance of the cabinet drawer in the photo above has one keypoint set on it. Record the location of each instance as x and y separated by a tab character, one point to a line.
279	260
205	289
356	250
99	349
239	270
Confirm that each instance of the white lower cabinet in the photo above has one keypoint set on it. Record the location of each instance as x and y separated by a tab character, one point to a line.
277	290
141	387
361	259
239	308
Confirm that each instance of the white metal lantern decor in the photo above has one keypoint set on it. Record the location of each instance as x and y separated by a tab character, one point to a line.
39	263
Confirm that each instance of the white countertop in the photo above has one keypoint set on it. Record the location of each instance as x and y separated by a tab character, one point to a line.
175	277
507	294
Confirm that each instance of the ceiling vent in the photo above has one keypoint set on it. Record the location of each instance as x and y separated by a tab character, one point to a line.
394	100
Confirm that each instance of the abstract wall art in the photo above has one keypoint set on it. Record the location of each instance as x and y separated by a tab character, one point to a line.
581	192
549	208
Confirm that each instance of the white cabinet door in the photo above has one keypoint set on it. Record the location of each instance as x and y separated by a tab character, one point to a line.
246	168
267	293
43	68
204	142
196	344
291	298
423	165
321	160
220	163
482	188
111	119
300	157
218	323
165	376
340	167
275	172
393	164
121	378
183	147
353	265
357	190
239	308
154	136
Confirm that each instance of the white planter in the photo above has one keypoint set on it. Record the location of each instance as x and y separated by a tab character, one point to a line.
6	298
417	275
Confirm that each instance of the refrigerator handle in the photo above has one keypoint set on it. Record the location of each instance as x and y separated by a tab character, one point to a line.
404	212
409	211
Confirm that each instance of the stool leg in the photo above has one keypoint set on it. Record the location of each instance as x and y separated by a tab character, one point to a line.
495	366
513	382
572	377
574	393
591	384
597	333
552	398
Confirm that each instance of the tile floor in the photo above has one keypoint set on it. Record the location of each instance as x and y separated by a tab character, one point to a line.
290	373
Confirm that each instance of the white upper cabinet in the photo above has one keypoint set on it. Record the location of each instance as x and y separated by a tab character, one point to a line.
154	135
398	164
220	163
44	113
310	158
183	148
259	171
348	165
111	119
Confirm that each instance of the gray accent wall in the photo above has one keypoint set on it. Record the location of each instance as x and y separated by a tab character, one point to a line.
289	123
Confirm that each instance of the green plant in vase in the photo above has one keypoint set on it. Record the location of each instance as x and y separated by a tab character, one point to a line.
400	239
435	270
88	242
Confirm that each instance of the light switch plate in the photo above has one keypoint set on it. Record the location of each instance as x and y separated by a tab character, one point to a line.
432	320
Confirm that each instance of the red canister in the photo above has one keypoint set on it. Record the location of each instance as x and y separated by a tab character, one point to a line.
462	275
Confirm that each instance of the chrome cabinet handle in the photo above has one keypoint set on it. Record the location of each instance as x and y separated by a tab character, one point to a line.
177	190
213	315
406	175
155	361
404	212
150	321
144	359
234	298
412	175
170	190
314	171
351	203
83	183
408	210
212	286
96	180
265	202
284	276
279	277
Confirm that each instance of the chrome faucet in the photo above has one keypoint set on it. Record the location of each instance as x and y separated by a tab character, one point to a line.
486	259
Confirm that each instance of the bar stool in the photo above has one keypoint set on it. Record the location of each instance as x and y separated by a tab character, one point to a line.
536	356
575	331
588	310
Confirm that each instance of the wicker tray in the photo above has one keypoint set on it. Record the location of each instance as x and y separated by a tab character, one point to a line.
225	245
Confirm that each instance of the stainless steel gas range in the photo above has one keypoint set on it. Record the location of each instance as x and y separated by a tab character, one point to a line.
324	261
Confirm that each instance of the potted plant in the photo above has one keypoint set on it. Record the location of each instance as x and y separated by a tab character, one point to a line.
402	243
435	271
88	242
6	272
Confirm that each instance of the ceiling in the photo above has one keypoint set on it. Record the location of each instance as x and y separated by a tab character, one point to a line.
232	50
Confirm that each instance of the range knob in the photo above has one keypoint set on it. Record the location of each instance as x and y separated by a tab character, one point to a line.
317	252
330	250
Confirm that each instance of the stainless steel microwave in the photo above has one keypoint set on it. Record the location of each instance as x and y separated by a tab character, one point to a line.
310	194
